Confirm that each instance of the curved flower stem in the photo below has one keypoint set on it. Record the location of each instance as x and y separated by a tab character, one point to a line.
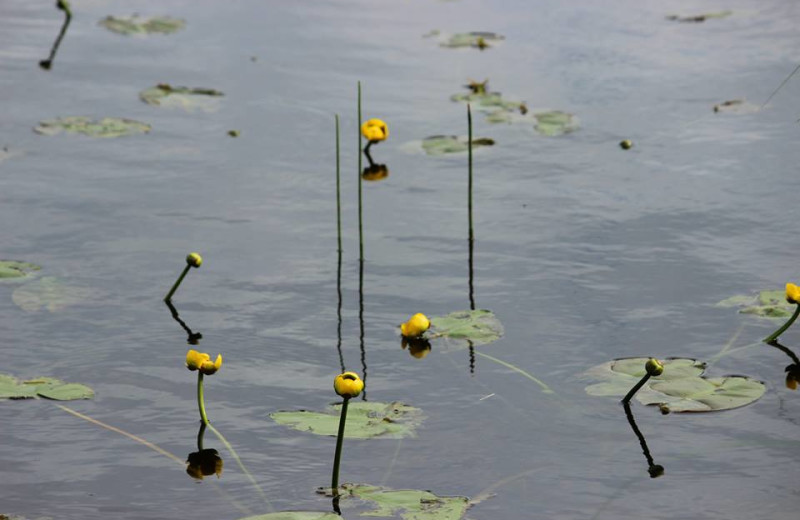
366	152
168	297
338	457
635	389
200	402
772	337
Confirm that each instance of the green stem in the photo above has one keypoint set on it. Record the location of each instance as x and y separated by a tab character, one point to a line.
338	457
200	402
469	186
168	297
635	389
360	220
338	197
772	337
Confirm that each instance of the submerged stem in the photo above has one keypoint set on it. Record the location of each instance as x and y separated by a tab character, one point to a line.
338	456
774	336
168	297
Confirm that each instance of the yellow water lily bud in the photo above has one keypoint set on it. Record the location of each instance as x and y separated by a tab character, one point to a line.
654	367
792	293
626	144
375	130
195	359
194	259
348	385
415	326
208	367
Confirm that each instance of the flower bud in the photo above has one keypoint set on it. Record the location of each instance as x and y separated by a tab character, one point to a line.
626	144
792	293
194	259
654	367
415	326
201	361
375	130
348	385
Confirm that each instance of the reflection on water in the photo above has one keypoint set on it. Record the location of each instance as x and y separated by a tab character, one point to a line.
193	338
62	5
792	370
418	347
655	470
205	461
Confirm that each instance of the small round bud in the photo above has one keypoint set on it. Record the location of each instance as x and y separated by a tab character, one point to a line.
415	326
626	144
194	259
792	293
654	367
348	385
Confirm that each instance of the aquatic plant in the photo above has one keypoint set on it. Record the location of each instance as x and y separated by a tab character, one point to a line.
346	385
793	297
653	367
61	5
415	326
192	260
201	362
375	131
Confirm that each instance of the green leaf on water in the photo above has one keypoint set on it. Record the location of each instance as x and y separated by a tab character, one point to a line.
49	293
365	420
410	504
47	387
15	269
555	123
486	100
106	127
296	515
445	144
477	40
766	304
478	327
681	388
187	98
136	25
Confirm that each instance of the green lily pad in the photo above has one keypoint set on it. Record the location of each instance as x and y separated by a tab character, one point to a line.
296	515
365	420
478	327
698	18
47	387
555	123
477	40
486	100
166	95
49	293
136	25
445	144
680	388
106	127
410	504
766	304
15	269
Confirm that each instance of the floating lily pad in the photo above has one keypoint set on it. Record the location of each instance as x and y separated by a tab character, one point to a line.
296	515
477	40
136	25
106	127
486	100
698	18
680	388
48	293
365	420
187	98
478	327
410	504
47	387
555	123
767	304
444	144
736	106
15	269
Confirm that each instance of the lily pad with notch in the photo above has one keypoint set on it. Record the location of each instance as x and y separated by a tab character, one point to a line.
365	420
409	504
187	98
49	293
478	327
106	127
13	269
766	304
139	25
45	387
447	144
682	387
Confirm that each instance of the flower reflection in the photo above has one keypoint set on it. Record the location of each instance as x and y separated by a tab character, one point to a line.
375	172
204	463
417	347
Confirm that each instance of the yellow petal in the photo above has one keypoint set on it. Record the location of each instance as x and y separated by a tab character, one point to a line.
209	368
348	384
375	130
415	326
792	293
195	359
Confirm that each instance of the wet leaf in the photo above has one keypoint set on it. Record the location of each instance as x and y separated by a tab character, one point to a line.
477	40
681	388
445	144
48	293
136	25
409	504
365	419
478	327
295	515
106	127
766	304
15	269
47	387
555	123
187	98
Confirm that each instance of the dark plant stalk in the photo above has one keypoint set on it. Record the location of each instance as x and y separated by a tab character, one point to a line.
168	297
339	241
635	389
200	435
200	401
361	328
774	336
469	188
360	220
338	196
64	6
339	439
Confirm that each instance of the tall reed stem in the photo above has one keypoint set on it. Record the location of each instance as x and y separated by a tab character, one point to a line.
338	457
360	219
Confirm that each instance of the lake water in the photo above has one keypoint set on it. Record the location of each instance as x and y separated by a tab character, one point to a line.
584	251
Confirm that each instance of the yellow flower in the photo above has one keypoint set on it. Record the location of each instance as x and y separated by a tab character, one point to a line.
201	361
792	293
348	384
375	130
414	327
194	259
654	367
